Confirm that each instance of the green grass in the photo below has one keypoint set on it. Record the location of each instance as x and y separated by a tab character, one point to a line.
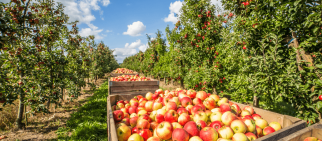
90	121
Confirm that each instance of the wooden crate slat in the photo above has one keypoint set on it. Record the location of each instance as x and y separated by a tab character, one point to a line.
133	92
133	83
133	88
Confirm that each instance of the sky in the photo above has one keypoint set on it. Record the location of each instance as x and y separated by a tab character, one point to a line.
123	24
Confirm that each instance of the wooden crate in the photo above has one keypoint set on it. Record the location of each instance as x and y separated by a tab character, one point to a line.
132	87
120	74
312	131
289	124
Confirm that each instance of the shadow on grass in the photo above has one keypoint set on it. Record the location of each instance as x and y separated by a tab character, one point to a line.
89	122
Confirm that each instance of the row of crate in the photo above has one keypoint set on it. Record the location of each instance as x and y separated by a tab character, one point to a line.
293	129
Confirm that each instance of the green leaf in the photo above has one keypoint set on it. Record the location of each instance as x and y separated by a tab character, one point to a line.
319	105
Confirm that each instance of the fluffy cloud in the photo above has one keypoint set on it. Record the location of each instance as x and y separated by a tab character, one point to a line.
122	53
135	29
216	2
135	44
143	47
81	10
174	9
108	31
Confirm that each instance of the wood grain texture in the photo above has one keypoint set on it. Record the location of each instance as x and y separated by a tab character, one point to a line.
312	131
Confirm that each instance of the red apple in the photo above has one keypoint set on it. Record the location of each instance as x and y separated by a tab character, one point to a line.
195	138
208	134
182	110
157	106
148	96
118	115
136	137
228	117
189	109
216	110
146	117
176	125
143	124
171	106
209	103
196	109
226	132
200	115
201	124
202	95
216	125
236	108
238	126
202	106
256	116
259	131
215	97
191	93
268	130
149	106
311	139
124	110
159	118
145	133
126	121
134	102
153	125
239	137
132	109
142	102
160	100
127	105
171	116
251	136
192	128
180	135
245	113
250	124
123	133
197	101
159	91
277	126
183	119
225	107
250	109
164	130
186	101
134	130
120	105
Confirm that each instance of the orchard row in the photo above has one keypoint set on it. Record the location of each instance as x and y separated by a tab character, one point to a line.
43	58
266	53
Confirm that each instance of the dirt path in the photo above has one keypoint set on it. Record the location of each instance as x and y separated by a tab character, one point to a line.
43	126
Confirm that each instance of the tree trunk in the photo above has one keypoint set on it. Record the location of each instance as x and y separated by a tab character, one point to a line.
20	110
256	101
182	85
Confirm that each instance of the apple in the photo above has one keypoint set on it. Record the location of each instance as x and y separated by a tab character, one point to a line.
191	93
134	102
250	124
238	126
222	139
139	97
208	134
124	110
250	109
249	117
121	101
221	101
239	137
145	133
201	124
171	106
119	124
171	116
245	113
157	106
161	111
202	95
256	116
202	106
251	136
262	123
160	100
155	96
259	131
182	110
277	126
226	132
228	117
175	100
195	138
120	105
176	125
208	113
200	116
127	105
142	112
126	121
159	118
159	91
180	134
143	124
152	115
146	117
153	125
115	107
183	119
216	110
142	102
209	103
118	115
189	109
149	106
215	116
126	102
236	108
133	115
126	115
268	130
216	125
196	109
132	109
164	130
153	139
215	97
134	130
135	137
192	128
225	107
196	101
148	96
166	92
186	101
311	139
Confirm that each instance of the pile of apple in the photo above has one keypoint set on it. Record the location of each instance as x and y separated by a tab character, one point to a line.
187	115
123	70
311	139
130	78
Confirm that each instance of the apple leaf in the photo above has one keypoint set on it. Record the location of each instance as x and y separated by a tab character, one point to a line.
319	105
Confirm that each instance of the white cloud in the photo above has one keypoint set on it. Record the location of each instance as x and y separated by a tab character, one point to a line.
135	29
135	44
216	2
81	10
143	47
108	31
122	53
174	9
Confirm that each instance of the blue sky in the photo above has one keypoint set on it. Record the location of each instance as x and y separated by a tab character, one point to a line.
123	24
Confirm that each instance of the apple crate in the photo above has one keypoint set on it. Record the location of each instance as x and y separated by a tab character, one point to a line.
132	87
120	74
289	124
312	131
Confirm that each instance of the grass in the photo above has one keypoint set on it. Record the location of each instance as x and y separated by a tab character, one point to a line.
8	116
90	121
